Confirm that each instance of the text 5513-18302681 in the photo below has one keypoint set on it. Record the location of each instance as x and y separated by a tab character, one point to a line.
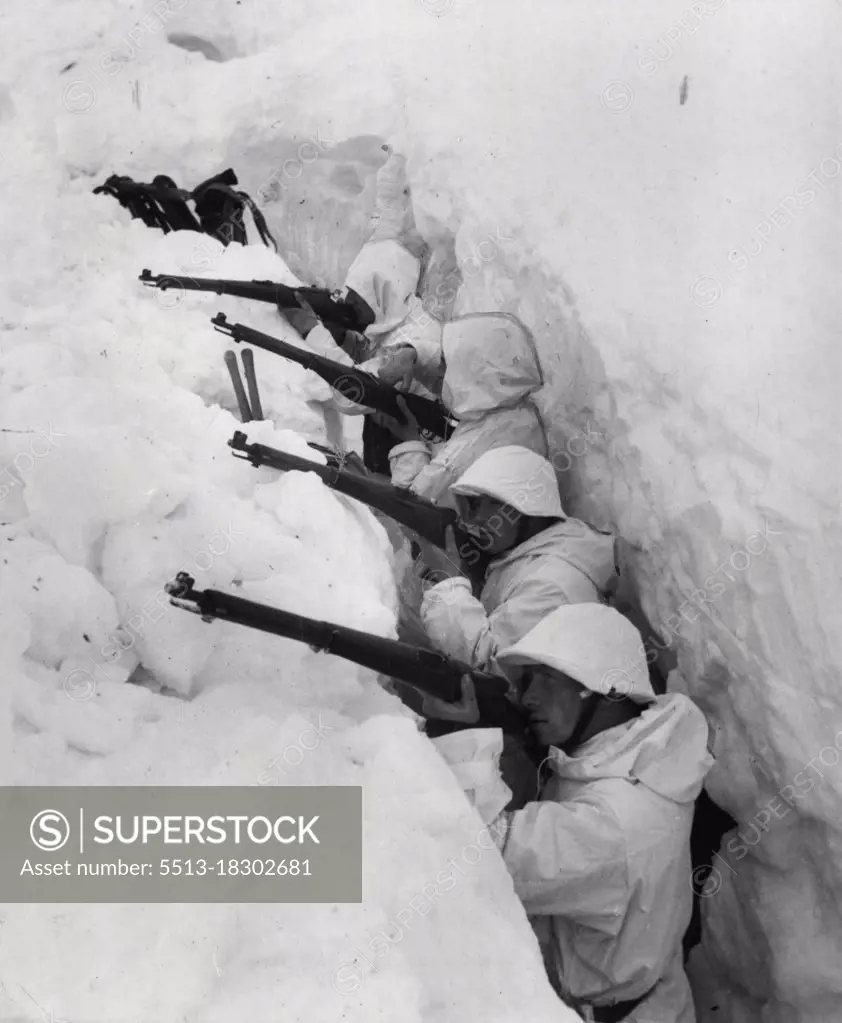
234	868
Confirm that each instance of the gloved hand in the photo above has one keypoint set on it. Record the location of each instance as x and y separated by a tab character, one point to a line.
474	757
442	591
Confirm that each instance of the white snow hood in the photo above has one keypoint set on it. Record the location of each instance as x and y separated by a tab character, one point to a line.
490	363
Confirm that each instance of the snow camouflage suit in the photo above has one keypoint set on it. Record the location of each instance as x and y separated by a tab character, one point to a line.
385	274
568	563
602	861
491	371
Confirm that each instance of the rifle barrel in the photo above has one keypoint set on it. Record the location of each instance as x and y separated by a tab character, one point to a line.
261	291
352	383
425	670
416	513
332	311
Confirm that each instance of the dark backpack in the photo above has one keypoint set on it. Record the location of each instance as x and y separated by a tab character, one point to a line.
219	207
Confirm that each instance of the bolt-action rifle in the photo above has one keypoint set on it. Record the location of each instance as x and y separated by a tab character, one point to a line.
350	313
428	520
416	513
354	384
425	671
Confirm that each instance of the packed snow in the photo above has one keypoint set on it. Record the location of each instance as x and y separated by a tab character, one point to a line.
655	190
117	409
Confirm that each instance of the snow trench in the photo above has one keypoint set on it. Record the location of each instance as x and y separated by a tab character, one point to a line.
654	191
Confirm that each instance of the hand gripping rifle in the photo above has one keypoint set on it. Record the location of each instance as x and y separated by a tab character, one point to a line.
426	671
348	314
355	385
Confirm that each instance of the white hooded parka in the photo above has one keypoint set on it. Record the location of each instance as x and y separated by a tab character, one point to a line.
602	861
491	371
568	563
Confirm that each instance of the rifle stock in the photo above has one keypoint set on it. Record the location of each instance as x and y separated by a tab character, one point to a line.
353	384
425	670
416	513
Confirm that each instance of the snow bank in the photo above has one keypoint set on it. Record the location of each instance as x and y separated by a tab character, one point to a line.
116	475
677	260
